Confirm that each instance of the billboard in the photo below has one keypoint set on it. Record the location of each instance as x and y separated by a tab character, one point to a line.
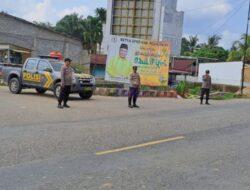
151	57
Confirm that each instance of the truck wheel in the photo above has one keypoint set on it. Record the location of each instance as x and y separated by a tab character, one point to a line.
40	90
15	86
57	90
86	95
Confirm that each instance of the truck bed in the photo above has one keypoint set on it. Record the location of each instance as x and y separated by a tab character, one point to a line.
7	69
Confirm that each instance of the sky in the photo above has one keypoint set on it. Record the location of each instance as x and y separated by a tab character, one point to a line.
204	18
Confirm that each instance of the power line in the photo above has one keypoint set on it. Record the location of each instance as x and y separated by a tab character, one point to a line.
233	14
227	15
205	7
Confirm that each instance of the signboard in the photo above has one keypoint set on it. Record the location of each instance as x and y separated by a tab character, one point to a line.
151	57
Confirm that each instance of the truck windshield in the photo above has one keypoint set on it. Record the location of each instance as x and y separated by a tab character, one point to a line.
56	65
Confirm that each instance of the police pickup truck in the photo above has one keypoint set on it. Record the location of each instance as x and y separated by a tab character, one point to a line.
43	74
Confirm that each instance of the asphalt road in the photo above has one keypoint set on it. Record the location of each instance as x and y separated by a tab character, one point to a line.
167	144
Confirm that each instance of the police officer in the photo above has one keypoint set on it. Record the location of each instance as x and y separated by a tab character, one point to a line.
134	87
206	86
66	81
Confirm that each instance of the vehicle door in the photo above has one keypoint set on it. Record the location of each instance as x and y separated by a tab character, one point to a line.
45	71
30	76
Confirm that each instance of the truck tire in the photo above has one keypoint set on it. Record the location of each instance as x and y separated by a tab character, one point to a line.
57	89
15	86
86	95
40	90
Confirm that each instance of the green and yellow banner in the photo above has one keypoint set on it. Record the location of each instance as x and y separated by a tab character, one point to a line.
151	57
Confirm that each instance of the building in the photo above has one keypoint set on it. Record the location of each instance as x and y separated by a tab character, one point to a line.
147	19
98	65
20	39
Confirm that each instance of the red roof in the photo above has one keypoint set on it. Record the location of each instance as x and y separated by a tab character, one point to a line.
183	65
97	59
180	72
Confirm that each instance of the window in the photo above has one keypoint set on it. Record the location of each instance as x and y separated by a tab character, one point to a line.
31	65
117	21
124	21
57	65
42	65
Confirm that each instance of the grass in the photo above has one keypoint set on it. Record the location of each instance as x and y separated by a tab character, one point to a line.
1	83
227	96
158	88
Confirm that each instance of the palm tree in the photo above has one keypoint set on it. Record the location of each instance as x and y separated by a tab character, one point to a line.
92	33
189	45
193	42
238	48
101	14
70	24
213	41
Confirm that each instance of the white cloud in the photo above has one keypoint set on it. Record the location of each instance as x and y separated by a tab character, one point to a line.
228	38
202	38
82	10
198	9
42	11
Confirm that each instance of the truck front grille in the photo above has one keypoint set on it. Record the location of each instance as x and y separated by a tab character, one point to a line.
83	81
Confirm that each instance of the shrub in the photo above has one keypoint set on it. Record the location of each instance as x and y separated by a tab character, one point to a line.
181	88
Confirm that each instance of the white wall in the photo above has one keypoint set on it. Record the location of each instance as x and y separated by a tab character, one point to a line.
107	27
187	78
228	73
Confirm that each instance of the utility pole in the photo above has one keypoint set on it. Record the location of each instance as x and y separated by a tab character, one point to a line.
245	52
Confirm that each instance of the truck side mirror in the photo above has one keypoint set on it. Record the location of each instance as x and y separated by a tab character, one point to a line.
48	70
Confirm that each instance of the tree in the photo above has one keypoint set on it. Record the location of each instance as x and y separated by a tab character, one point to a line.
189	45
235	55
44	24
215	52
238	48
89	30
71	24
92	33
184	46
213	41
193	42
101	14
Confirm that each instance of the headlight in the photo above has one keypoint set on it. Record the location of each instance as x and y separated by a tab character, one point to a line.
75	79
92	81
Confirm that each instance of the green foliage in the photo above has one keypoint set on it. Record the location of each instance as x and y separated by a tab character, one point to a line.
195	91
216	52
227	96
71	25
2	84
89	30
181	88
92	33
238	49
235	55
213	41
189	45
101	14
184	46
79	68
44	24
159	88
